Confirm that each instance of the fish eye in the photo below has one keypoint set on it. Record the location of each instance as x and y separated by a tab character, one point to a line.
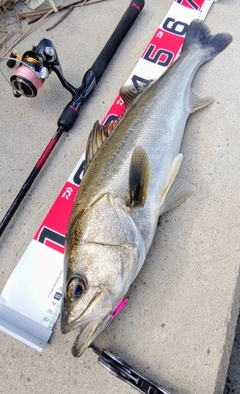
76	287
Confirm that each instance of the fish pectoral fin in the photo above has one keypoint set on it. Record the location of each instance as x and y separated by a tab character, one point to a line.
98	135
178	193
198	101
172	175
139	177
130	92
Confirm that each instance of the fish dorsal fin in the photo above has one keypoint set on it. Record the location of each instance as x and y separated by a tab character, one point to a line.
139	177
130	92
198	101
98	135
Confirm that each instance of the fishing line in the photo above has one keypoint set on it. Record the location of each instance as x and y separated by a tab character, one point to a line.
5	77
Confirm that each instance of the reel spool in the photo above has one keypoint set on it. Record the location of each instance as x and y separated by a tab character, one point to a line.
27	78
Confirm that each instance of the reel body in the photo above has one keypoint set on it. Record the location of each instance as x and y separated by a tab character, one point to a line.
34	67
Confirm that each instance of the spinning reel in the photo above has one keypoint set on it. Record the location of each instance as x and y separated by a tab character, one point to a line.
34	67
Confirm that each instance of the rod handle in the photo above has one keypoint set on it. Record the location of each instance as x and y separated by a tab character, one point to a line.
127	20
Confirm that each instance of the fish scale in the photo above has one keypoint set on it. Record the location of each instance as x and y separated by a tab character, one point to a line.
127	185
144	127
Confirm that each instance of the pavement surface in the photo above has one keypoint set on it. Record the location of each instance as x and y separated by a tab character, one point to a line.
179	325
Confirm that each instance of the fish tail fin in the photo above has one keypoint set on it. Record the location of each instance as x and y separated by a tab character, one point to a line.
199	35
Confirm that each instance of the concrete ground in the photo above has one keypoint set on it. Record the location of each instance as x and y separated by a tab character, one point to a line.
179	325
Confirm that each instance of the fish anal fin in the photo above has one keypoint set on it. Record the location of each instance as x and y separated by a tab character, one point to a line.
178	193
198	101
98	135
172	175
139	177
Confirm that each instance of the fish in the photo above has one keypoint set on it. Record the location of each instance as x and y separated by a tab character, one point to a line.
129	182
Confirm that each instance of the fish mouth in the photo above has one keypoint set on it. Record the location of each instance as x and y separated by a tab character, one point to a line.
91	321
87	335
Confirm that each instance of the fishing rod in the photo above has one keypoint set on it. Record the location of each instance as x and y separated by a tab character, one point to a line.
126	373
36	65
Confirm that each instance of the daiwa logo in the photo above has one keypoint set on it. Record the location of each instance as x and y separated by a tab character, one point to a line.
67	193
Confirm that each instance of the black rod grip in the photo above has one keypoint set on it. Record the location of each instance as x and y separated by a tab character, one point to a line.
116	38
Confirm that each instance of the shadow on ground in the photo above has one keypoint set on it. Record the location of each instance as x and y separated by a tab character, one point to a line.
233	377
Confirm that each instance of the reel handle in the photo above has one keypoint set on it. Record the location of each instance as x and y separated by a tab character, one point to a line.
12	60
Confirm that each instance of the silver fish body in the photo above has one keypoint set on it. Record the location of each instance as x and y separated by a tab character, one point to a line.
128	184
